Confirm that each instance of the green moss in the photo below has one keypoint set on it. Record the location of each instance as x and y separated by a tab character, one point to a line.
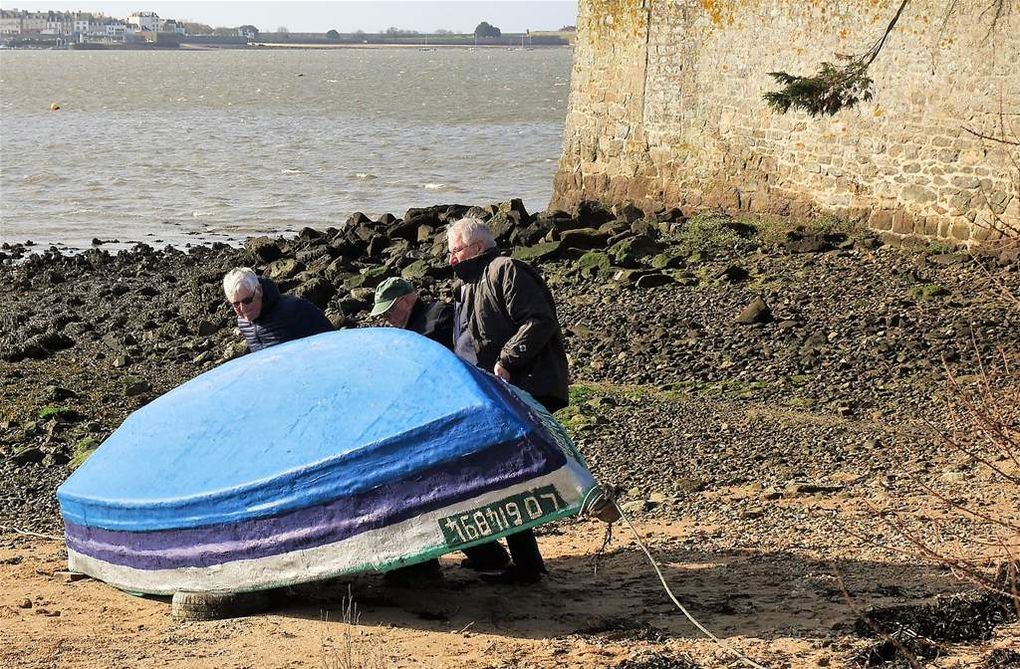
64	414
940	248
706	234
927	291
800	402
593	263
82	450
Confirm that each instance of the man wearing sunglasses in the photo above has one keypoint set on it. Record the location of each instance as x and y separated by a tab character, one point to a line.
265	316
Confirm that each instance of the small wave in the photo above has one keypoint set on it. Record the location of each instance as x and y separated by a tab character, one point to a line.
286	171
433	186
364	175
201	214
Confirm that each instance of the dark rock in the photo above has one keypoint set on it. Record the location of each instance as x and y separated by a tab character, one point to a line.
539	252
310	256
627	212
317	291
734	274
668	261
376	246
592	263
592	214
654	280
742	229
646	228
627	252
584	239
308	234
26	455
265	248
355	220
481	213
387	219
948	259
508	217
425	233
756	312
415	271
408	228
369	278
284	268
57	393
135	386
811	242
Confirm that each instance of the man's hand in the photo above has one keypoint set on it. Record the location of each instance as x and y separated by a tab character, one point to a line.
501	372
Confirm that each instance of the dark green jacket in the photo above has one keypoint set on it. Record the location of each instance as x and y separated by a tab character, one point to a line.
509	315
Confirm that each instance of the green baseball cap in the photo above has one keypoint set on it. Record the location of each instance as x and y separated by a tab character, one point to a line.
388	292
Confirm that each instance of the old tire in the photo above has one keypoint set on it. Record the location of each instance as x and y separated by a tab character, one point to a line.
217	605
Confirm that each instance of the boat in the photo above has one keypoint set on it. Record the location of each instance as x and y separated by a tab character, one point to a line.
362	450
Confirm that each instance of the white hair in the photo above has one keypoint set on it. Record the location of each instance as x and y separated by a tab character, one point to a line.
238	279
471	231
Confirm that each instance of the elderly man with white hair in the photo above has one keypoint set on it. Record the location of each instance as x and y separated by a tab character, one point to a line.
506	323
265	316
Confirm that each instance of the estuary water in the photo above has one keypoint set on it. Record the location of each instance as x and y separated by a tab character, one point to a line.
184	146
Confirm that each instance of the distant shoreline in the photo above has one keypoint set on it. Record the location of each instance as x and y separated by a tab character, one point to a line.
420	47
262	46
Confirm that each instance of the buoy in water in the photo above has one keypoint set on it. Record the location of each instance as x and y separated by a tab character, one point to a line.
54	107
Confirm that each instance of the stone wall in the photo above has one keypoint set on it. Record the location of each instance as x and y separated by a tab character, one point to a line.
666	111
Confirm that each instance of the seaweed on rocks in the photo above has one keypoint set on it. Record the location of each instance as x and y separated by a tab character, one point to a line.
917	631
659	661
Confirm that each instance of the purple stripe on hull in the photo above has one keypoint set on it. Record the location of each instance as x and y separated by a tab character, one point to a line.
496	467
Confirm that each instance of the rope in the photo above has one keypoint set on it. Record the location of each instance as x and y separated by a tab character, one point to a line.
26	533
609	497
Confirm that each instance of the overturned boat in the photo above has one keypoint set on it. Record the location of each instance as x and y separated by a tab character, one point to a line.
360	450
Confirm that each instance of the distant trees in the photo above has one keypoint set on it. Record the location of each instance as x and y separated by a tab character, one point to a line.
485	30
392	30
443	31
282	29
195	28
332	35
568	29
248	30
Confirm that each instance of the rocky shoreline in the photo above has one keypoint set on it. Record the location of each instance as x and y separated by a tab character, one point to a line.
763	397
708	353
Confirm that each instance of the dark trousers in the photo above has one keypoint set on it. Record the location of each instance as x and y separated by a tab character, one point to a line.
524	551
487	556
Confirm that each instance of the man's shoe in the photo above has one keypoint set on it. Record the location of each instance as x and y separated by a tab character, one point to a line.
513	575
468	563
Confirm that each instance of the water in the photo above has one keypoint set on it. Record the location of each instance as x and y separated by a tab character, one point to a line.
176	147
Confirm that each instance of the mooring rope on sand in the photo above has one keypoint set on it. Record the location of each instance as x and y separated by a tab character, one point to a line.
586	507
5	528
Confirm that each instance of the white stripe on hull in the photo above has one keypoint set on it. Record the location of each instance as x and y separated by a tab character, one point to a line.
368	551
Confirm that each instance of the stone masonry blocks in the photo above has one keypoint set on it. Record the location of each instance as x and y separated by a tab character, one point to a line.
666	110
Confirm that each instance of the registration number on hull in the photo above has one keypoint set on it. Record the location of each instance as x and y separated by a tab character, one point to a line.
500	516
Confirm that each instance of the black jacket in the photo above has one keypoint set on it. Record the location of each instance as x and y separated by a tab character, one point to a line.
434	320
283	318
509	315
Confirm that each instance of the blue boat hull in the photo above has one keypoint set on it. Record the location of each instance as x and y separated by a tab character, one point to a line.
361	450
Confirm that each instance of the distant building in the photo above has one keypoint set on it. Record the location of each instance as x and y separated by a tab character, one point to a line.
171	26
10	22
147	21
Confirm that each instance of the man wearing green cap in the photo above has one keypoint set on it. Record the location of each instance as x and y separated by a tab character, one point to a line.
398	302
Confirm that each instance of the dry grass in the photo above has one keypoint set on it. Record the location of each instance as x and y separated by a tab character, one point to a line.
350	648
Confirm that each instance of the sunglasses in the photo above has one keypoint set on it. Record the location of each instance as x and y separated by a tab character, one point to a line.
457	250
246	301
